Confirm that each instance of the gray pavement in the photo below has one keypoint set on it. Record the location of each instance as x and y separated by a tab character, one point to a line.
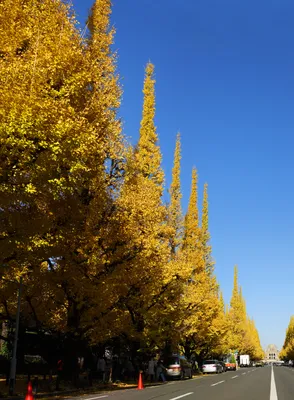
264	383
284	378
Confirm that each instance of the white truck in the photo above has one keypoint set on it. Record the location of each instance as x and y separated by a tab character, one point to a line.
244	360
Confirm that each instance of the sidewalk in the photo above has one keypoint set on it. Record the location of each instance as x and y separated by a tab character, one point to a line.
46	389
66	389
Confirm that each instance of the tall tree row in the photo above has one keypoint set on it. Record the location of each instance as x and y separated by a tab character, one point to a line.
82	216
287	352
242	333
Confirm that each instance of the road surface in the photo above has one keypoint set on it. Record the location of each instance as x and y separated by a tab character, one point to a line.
264	383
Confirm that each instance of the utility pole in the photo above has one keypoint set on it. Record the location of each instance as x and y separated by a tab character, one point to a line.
13	360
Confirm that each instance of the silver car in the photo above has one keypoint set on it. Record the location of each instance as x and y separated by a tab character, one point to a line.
178	367
211	367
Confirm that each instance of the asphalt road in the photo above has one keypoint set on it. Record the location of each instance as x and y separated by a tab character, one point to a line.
265	383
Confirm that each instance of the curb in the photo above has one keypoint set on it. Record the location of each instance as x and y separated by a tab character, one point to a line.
85	392
44	395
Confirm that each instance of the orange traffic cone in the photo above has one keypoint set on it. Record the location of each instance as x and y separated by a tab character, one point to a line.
30	395
140	383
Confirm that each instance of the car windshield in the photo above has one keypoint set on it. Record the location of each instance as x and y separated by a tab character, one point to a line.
209	362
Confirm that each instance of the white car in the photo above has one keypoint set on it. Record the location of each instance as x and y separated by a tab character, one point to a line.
211	367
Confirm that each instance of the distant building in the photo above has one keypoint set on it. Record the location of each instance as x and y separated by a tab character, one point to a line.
271	353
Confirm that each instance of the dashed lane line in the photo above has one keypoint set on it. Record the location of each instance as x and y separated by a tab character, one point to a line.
95	398
243	373
236	376
217	383
183	395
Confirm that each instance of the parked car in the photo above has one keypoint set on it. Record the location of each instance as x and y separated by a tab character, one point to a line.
212	366
231	366
178	367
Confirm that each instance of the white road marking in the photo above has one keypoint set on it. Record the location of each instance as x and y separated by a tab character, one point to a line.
183	395
273	393
243	373
236	376
94	398
217	383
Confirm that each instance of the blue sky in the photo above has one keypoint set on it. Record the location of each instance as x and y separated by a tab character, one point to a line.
225	80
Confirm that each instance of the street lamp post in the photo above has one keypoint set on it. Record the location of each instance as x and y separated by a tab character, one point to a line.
13	360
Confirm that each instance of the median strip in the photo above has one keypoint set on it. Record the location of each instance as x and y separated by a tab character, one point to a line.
183	395
217	383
